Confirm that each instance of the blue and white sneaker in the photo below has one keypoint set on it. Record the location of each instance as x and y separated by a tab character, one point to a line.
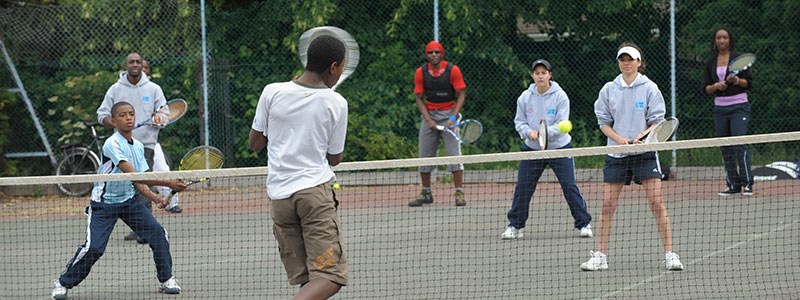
59	291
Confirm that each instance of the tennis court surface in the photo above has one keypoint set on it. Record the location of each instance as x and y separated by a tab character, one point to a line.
735	247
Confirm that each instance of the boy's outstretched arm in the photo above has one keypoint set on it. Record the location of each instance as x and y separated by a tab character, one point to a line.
142	185
145	190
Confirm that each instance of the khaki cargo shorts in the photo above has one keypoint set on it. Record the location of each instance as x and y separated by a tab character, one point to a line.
308	231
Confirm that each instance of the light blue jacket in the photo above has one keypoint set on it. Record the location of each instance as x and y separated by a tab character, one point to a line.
629	110
532	107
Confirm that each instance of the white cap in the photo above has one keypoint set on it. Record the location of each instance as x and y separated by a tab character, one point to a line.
630	51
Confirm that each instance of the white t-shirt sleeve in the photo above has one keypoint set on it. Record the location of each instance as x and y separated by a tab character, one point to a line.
261	118
339	132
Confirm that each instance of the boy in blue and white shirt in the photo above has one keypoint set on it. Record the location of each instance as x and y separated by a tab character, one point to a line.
117	200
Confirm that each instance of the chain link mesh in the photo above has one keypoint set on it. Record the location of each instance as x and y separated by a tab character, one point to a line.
68	55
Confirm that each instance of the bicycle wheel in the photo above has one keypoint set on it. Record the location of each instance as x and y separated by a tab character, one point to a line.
77	161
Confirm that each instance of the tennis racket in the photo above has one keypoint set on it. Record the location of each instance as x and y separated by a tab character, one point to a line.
199	158
166	114
741	63
351	52
543	134
661	132
466	132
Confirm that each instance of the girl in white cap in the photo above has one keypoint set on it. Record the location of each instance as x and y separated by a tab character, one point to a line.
625	108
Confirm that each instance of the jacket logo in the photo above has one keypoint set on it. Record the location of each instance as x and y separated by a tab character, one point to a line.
639	104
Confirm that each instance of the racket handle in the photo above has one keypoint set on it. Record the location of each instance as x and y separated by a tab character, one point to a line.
440	127
165	202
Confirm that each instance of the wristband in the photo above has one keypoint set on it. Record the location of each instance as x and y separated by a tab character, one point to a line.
453	118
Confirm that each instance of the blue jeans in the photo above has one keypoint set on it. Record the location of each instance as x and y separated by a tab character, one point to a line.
102	217
528	177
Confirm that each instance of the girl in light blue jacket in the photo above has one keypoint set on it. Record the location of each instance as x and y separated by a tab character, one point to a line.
625	108
544	100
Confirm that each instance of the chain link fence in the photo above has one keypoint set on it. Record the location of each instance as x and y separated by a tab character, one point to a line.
68	55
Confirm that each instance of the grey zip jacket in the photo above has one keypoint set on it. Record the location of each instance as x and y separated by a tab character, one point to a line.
629	110
146	97
532	107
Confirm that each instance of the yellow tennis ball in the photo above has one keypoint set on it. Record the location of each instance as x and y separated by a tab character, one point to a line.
565	126
336	186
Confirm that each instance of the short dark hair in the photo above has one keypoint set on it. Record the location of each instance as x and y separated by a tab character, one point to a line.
132	53
117	106
643	66
324	51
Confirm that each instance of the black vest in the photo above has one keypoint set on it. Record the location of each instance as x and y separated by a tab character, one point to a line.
438	89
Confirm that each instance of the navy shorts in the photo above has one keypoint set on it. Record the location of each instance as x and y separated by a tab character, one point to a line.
632	167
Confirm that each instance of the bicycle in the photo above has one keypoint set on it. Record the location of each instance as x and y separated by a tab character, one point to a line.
78	159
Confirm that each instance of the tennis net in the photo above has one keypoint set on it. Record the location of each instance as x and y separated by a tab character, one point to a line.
223	247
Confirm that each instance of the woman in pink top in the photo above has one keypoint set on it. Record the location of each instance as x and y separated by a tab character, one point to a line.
731	110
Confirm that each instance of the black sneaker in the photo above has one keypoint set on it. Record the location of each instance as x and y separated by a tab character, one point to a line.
425	197
747	191
132	236
175	209
731	192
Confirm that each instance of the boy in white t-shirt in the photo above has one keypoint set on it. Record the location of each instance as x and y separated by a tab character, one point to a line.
303	124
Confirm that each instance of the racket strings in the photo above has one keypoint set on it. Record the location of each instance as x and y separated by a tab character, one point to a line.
743	61
470	132
176	109
352	52
664	131
543	135
202	159
661	133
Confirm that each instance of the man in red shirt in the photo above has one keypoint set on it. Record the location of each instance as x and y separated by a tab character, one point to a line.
440	92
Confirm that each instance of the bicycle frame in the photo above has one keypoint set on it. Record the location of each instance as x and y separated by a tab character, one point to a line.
79	158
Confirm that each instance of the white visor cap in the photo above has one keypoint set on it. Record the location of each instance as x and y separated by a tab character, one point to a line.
630	51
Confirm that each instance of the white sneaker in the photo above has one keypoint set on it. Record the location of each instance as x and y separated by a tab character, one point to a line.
59	291
672	261
170	287
586	231
511	233
598	261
